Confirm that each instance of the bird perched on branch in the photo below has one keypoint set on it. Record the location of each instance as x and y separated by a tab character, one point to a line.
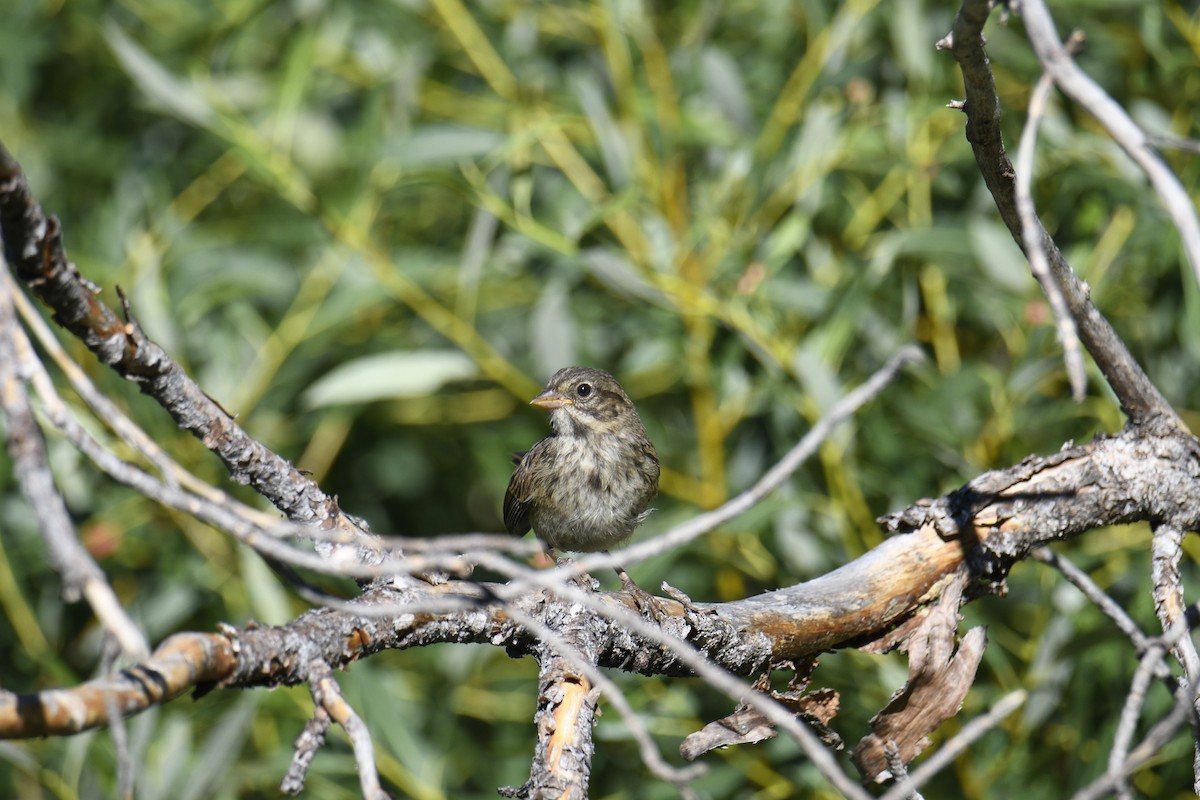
587	485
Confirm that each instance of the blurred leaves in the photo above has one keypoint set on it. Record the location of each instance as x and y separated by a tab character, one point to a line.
411	373
372	230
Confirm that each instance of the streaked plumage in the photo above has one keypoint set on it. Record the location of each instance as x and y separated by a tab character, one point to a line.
587	485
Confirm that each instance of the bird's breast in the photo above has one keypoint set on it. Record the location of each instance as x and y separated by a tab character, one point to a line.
596	496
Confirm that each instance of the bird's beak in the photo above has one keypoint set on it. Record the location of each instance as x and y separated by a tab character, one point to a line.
551	399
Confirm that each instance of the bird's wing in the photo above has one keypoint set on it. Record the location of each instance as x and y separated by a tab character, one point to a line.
516	498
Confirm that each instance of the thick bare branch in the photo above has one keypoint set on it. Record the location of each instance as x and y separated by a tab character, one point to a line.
566	713
183	662
1166	551
566	665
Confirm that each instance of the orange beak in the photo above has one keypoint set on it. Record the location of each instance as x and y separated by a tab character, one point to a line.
551	399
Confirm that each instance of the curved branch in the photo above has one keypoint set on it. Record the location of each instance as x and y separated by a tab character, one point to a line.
328	696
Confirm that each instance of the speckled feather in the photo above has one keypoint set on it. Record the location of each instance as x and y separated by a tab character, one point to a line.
587	485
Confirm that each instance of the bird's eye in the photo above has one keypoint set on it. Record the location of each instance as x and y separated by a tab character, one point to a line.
583	389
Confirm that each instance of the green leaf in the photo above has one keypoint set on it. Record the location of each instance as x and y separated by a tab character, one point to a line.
411	373
160	86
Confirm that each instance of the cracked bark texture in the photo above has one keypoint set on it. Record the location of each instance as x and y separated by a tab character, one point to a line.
984	527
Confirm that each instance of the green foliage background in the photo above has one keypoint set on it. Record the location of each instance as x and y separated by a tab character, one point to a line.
372	229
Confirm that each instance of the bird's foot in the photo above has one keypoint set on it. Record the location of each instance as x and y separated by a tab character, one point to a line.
584	581
684	600
647	604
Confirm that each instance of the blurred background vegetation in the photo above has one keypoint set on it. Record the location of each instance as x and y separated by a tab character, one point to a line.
372	229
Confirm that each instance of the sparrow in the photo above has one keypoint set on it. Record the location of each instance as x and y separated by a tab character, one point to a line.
587	485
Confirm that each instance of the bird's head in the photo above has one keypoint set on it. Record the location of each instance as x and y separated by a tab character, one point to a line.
586	401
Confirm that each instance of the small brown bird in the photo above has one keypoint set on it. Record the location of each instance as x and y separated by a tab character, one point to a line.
586	486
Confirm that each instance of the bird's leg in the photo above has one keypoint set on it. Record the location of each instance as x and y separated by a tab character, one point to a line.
647	603
583	581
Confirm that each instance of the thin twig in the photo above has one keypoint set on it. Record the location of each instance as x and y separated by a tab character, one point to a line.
1174	143
118	730
1150	662
1150	747
954	746
80	574
105	409
1132	709
306	746
1109	607
899	771
1079	86
1031	232
327	694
